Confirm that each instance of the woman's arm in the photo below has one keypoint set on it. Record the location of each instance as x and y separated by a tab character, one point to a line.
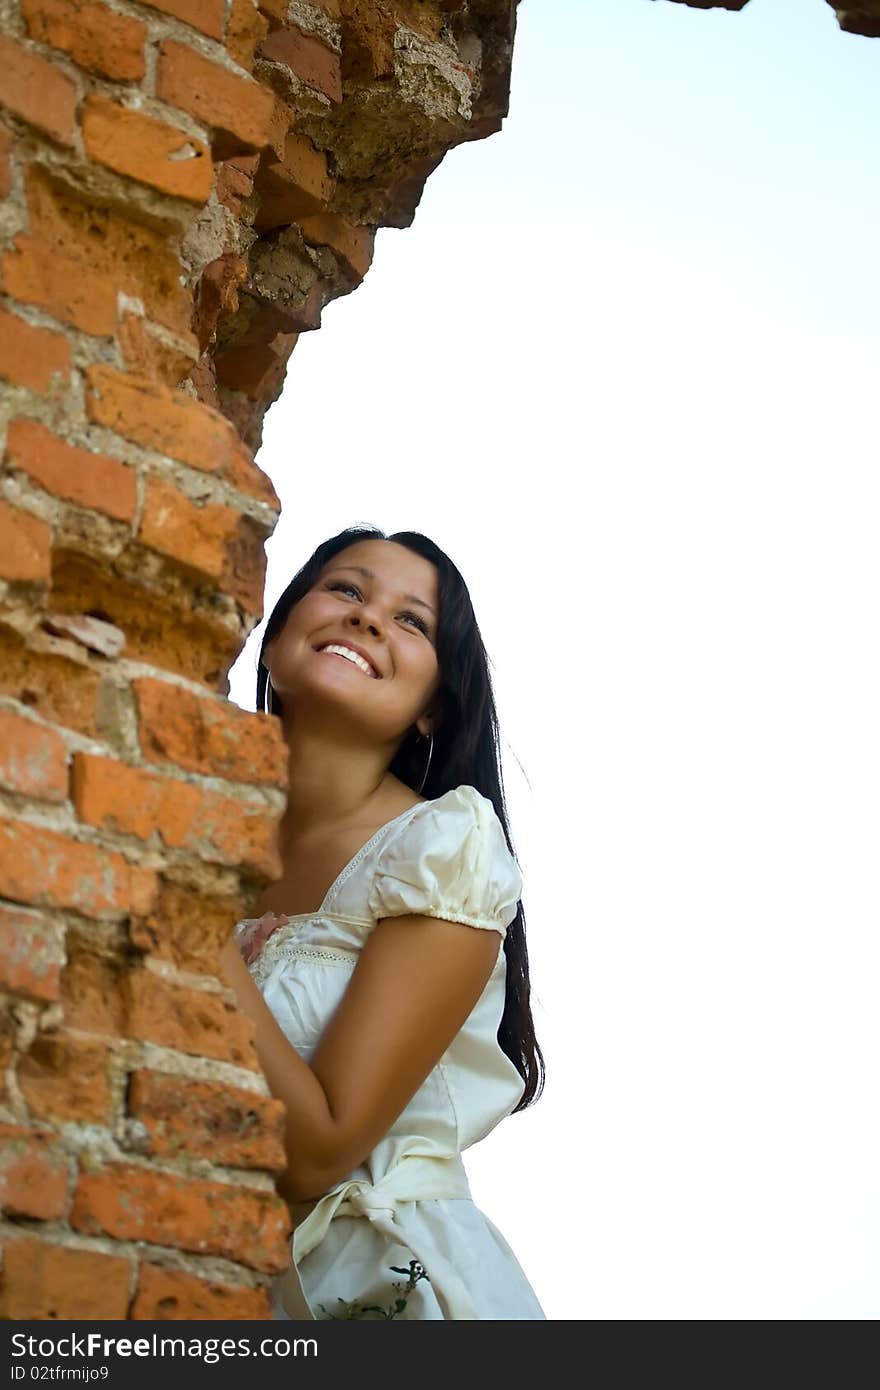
415	982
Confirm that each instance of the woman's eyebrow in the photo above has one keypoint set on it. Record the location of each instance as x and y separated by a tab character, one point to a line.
368	574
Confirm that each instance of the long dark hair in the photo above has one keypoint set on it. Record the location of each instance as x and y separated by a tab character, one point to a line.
466	748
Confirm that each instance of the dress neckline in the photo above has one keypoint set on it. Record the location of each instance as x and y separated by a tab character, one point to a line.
345	870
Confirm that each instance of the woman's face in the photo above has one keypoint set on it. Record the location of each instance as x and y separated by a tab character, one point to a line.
378	600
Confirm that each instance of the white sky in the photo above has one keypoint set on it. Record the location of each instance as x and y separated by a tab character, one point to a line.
623	367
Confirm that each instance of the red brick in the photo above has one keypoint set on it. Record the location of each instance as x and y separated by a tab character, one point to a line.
188	927
211	736
306	56
223	1123
164	1295
234	182
30	356
5	164
137	260
239	108
257	368
34	1180
297	186
172	423
78	475
25	545
33	759
147	150
195	535
60	690
45	867
31	954
204	15
244	30
41	1281
193	1021
96	37
36	274
161	629
352	245
210	1218
219	829
92	992
147	355
65	1078
217	292
211	539
37	91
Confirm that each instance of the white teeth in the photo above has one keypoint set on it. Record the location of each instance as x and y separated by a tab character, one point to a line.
351	656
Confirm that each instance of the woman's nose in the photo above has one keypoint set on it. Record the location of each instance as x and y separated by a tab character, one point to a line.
366	618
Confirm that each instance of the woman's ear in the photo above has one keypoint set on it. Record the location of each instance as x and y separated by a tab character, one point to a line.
429	722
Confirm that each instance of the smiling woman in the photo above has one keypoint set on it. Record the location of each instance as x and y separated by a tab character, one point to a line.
394	1032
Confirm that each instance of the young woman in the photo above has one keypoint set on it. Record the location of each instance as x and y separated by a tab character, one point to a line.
390	1019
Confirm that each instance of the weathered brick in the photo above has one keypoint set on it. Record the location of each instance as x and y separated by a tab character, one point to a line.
195	535
139	261
31	953
245	28
172	1294
49	869
220	829
147	355
211	539
25	545
172	423
37	91
161	629
217	292
64	1078
147	150
96	37
235	183
238	108
205	735
33	759
187	927
35	274
35	357
210	1218
92	993
298	185
223	1123
257	368
78	475
352	245
60	690
42	1281
306	56
34	1179
5	162
204	15
188	1020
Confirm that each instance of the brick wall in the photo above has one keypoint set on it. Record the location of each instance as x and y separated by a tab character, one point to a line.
857	17
185	185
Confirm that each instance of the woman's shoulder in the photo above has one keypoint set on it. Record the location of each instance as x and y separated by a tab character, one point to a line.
448	856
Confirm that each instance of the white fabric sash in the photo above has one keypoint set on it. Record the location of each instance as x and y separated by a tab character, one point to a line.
414	1178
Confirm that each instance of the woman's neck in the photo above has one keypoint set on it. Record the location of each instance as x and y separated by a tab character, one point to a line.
332	783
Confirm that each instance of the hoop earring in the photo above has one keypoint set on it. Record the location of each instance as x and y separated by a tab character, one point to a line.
428	763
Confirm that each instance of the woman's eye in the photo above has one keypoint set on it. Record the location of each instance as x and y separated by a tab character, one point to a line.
343	586
419	622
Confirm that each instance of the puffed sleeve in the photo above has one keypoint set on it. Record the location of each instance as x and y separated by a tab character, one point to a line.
449	859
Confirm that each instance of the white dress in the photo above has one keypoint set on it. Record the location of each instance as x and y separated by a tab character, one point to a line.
353	1250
